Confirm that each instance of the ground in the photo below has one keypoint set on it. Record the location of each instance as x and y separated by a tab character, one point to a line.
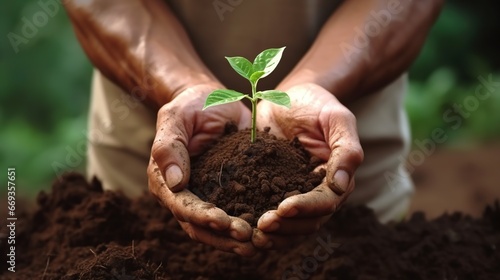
81	232
464	180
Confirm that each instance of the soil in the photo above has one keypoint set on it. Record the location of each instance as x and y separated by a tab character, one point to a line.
246	179
467	177
82	232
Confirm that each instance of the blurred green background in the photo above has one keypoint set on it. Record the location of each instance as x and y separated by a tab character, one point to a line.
44	87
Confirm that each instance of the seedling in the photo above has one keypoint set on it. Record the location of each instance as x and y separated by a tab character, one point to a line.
262	66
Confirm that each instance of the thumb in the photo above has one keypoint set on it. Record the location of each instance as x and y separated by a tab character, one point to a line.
170	152
345	156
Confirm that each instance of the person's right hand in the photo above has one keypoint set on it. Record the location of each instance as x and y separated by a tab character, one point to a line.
327	130
184	130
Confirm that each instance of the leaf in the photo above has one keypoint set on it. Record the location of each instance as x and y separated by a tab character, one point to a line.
222	96
267	61
241	65
256	76
275	96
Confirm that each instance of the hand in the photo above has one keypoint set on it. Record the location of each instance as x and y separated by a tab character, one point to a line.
184	130
328	131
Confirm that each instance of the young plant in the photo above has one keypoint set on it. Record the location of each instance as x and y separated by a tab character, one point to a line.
262	66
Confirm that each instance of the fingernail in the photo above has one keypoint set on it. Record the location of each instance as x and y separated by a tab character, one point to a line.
173	176
340	182
266	219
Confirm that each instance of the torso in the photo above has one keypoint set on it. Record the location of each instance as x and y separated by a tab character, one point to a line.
244	28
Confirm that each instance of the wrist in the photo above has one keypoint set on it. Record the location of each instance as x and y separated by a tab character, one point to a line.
170	87
341	87
298	78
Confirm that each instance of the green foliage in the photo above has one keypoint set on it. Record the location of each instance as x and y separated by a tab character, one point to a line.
222	96
275	96
263	65
459	49
267	61
44	93
241	65
466	115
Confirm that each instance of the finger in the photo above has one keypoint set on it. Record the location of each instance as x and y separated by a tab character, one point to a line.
169	148
291	226
268	241
220	242
206	215
346	152
186	206
240	229
318	202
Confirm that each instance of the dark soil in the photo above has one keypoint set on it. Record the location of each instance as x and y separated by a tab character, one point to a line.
467	177
246	179
82	232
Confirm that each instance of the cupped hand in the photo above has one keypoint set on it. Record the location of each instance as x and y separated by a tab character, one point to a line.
184	130
327	129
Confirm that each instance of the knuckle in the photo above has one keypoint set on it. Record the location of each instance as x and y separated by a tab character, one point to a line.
351	118
158	150
356	152
153	189
164	147
154	182
152	169
167	110
347	115
341	116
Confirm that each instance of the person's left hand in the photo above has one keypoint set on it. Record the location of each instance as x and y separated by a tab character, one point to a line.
327	129
184	130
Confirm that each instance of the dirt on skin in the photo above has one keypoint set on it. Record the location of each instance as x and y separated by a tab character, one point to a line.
82	232
246	179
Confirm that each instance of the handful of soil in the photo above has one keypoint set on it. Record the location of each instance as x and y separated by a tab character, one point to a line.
247	179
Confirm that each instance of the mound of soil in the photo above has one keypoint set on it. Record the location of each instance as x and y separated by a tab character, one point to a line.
82	232
246	179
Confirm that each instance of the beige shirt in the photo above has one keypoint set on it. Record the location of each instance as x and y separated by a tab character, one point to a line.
245	28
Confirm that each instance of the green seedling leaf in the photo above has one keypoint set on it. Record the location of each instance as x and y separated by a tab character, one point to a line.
263	65
241	65
267	61
256	76
222	96
275	96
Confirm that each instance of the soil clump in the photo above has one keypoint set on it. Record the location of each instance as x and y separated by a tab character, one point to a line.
246	179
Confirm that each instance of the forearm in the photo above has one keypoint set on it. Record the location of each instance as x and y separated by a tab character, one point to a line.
139	45
356	53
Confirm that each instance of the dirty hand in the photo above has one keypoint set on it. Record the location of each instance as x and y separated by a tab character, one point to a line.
184	130
328	131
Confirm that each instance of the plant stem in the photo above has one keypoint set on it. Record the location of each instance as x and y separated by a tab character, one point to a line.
253	133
